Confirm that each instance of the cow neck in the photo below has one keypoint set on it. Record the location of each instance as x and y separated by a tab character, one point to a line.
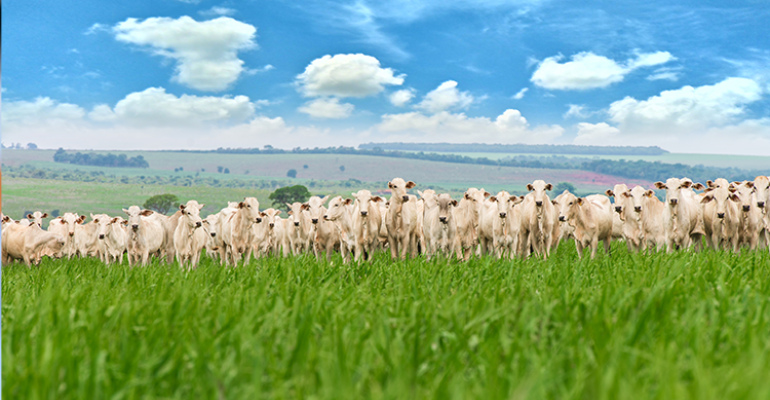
242	222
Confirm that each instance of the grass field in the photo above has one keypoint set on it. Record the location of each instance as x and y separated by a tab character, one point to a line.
626	326
326	167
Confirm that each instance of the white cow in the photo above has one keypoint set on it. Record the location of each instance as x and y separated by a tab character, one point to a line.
562	203
440	227
340	214
401	220
146	235
592	219
238	231
721	215
683	216
367	222
762	187
25	243
325	235
37	218
537	220
211	226
65	226
111	236
189	236
751	218
506	224
301	230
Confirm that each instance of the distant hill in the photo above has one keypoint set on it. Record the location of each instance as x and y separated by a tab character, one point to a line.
519	148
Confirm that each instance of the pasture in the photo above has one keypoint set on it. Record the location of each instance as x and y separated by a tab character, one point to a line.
661	326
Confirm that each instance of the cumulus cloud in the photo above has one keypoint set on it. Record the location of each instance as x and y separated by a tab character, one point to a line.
508	127
587	70
401	97
445	97
327	108
217	11
155	107
206	53
346	75
688	107
595	134
41	111
520	94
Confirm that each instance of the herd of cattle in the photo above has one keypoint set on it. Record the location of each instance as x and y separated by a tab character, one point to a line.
728	215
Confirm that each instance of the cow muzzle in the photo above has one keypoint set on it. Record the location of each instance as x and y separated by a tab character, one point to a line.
673	202
272	225
502	215
618	209
213	234
135	227
198	224
561	218
101	236
746	208
761	204
720	215
405	198
442	220
296	224
539	203
259	220
72	233
364	213
638	209
314	220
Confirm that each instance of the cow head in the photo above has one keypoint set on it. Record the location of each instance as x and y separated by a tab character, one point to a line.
337	208
191	214
398	188
539	187
563	203
363	199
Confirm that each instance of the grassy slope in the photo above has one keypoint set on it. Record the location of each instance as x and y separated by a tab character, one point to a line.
326	166
625	326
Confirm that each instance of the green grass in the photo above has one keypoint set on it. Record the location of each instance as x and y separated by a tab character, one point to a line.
625	326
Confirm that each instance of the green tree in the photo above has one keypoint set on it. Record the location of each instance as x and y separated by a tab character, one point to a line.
342	168
562	186
292	173
161	203
289	194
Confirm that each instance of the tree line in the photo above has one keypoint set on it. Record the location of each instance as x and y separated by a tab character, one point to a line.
102	160
520	148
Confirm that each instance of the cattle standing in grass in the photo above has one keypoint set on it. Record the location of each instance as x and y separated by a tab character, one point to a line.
340	215
537	220
146	235
592	219
367	222
300	236
37	218
325	235
721	215
111	239
401	220
506	224
682	216
751	218
238	231
26	242
562	203
65	226
440	228
189	236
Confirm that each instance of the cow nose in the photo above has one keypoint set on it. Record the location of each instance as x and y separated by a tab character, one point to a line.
296	224
272	224
198	224
405	198
761	204
363	213
314	220
135	226
442	219
101	236
561	218
259	220
539	203
502	215
638	209
213	234
673	202
720	215
73	233
746	208
618	209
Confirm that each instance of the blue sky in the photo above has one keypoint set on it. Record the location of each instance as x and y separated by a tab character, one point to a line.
687	76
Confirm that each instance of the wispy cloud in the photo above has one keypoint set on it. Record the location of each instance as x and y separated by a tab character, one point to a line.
520	94
218	11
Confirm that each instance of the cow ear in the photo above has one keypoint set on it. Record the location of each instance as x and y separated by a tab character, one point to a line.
200	206
376	199
706	199
278	212
288	205
710	183
262	214
732	189
241	205
147	213
609	193
92	215
126	211
626	195
698	186
530	187
290	212
548	186
487	194
736	183
324	199
750	184
708	189
45	215
348	201
81	219
454	203
734	197
580	201
305	206
493	199
467	196
660	185
114	220
96	220
515	198
390	185
63	222
29	216
410	185
554	202
649	193
181	206
419	192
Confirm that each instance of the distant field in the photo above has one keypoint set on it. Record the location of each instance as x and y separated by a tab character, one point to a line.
715	160
327	167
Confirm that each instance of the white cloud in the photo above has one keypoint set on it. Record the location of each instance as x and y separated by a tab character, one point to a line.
254	71
346	75
509	127
96	28
669	76
217	11
520	94
206	52
576	111
445	97
587	70
596	134
41	111
155	107
401	97
688	107
327	108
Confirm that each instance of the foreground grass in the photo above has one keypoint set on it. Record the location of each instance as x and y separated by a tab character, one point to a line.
623	326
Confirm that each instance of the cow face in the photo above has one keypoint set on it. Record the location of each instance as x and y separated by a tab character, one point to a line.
135	215
617	193
563	203
249	208
37	218
445	204
363	200
746	196
315	208
297	211
269	217
539	187
210	223
191	214
720	196
635	198
504	202
336	208
70	220
398	188
674	188
102	222
762	190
